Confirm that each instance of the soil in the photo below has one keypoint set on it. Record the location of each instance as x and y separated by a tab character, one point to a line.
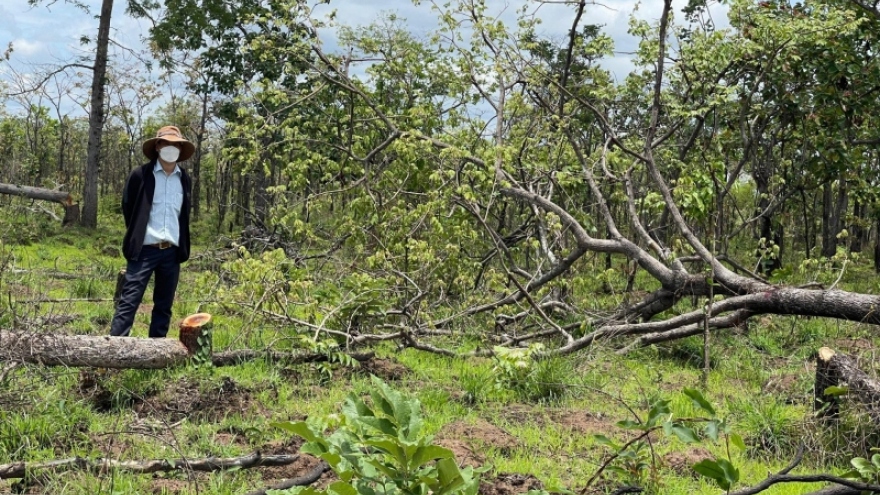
385	369
681	462
468	441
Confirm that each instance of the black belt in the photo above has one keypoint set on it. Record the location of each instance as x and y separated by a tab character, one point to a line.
162	245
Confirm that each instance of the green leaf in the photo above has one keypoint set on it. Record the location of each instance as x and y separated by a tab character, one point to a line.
730	472
875	460
737	441
629	424
712	470
430	453
836	391
657	412
341	488
699	401
712	430
685	434
864	467
449	476
603	440
300	428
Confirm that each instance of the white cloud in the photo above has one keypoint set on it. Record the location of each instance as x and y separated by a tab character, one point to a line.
27	48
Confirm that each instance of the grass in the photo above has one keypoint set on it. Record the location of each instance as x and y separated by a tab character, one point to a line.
551	419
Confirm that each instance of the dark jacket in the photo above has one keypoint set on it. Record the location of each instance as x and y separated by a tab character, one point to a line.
137	199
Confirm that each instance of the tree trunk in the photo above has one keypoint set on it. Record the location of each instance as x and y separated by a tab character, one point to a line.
856	230
96	119
37	193
197	161
103	351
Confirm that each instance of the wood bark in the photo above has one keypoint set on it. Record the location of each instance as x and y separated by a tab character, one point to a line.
834	369
103	465
40	193
127	352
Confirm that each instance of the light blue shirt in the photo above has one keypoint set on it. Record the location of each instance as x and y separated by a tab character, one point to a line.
164	224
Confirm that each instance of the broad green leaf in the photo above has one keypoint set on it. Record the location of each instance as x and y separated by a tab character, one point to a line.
300	428
731	473
341	488
448	473
699	401
657	412
603	440
737	441
712	470
685	434
864	467
712	430
429	453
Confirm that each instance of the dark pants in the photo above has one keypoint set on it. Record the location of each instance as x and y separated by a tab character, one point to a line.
161	262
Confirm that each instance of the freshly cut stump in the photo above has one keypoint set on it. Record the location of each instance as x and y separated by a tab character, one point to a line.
195	335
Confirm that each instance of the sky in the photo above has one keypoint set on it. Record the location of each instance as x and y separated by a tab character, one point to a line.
50	34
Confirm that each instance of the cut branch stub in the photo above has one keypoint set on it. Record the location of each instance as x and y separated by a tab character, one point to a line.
195	335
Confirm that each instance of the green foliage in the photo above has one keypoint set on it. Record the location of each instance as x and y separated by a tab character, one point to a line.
635	461
332	351
380	448
866	470
529	375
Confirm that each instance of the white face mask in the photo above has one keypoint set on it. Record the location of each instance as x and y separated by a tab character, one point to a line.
169	154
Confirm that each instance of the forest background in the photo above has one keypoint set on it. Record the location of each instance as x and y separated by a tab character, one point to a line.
531	237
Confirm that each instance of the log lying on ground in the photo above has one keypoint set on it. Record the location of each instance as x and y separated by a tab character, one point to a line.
127	352
834	369
101	465
71	209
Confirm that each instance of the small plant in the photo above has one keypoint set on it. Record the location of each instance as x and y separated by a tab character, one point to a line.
380	448
331	350
867	471
635	462
518	370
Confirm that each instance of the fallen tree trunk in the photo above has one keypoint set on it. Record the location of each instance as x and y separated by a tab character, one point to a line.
127	352
71	209
91	351
102	465
839	370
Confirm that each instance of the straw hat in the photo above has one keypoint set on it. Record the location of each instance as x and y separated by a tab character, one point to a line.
170	134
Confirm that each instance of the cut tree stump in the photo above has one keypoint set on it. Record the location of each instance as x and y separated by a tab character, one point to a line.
839	370
195	334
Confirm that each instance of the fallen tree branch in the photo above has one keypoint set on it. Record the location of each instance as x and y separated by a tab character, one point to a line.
231	358
101	465
306	479
783	477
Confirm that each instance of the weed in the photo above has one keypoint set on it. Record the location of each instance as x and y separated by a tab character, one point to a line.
382	449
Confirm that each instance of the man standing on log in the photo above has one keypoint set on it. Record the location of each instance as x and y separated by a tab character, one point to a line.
156	205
